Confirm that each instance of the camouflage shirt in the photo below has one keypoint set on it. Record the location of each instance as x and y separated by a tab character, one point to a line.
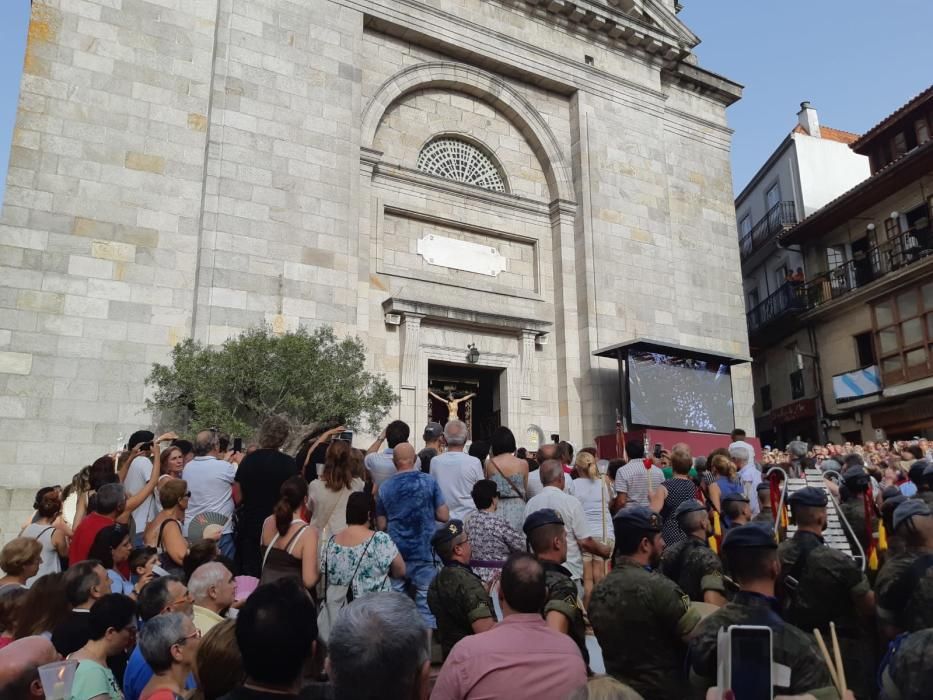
694	567
827	587
639	617
791	647
764	516
457	599
909	675
562	598
854	512
905	591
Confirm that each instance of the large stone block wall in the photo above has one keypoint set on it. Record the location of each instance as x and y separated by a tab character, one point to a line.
194	168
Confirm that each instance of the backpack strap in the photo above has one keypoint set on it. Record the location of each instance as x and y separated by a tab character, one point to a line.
791	580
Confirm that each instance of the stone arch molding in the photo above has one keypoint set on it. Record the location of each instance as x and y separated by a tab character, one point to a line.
488	88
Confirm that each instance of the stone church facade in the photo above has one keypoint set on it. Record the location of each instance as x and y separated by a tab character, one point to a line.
533	178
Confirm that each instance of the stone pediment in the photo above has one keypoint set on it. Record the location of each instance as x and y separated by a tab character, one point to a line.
645	24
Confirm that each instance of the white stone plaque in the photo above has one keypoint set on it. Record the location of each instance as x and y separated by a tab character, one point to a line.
462	255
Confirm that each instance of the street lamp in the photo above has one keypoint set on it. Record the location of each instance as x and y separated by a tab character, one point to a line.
472	354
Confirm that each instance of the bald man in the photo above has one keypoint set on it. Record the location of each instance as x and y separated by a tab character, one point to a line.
408	504
19	667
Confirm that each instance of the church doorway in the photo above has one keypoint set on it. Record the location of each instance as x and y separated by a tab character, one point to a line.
476	391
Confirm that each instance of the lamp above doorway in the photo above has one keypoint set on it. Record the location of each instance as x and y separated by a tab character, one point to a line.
472	355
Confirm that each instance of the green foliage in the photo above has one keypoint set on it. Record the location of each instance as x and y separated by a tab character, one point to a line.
306	376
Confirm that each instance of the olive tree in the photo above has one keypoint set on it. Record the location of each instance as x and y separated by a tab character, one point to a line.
309	377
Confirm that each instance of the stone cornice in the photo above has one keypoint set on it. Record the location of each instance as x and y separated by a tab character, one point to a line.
450	315
704	82
670	43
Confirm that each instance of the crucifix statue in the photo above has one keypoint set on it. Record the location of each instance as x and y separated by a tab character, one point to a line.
452	403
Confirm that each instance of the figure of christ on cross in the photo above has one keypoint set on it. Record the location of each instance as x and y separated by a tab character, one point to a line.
452	403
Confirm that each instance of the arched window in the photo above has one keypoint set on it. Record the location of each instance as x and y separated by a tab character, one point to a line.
461	161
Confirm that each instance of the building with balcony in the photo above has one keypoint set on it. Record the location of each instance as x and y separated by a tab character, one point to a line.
847	353
811	166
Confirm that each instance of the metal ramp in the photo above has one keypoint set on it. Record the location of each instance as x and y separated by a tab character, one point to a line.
837	528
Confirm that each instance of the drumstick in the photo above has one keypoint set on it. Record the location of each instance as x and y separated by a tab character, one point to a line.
840	672
826	657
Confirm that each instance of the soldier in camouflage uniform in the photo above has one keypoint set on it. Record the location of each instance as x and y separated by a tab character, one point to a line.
457	597
737	509
691	564
925	491
909	673
640	617
891	502
823	585
563	612
765	515
904	586
750	554
856	482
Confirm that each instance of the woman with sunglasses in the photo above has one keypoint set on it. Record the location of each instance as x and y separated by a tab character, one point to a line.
169	644
165	531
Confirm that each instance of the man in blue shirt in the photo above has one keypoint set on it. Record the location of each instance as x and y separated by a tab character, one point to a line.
408	505
165	594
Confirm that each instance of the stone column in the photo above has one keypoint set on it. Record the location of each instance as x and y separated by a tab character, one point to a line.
410	403
527	358
363	262
566	319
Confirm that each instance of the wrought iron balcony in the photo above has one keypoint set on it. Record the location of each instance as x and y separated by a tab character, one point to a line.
780	217
789	298
863	269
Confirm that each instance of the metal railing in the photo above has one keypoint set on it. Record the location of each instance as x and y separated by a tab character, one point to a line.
789	297
864	268
780	217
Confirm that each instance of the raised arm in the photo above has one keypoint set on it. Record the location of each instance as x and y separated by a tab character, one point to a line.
377	444
437	397
135	500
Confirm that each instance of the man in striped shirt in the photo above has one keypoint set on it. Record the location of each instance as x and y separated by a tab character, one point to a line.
638	483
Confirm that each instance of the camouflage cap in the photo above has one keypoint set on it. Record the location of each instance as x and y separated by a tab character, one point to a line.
809	496
540	518
689	506
907	510
751	535
735	497
447	532
637	518
889	492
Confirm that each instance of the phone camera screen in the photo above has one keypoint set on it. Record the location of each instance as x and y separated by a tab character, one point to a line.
751	664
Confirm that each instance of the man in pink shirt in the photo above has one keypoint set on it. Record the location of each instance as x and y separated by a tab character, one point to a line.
521	657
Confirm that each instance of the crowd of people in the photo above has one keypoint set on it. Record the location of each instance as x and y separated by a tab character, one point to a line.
468	569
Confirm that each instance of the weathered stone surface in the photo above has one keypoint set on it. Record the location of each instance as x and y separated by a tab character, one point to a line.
196	168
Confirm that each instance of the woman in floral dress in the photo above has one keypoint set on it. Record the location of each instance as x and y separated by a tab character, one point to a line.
358	557
492	539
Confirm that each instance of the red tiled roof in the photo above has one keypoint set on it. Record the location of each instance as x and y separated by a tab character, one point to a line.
830	134
896	114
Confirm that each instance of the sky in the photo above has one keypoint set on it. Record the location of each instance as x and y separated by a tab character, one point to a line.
856	61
